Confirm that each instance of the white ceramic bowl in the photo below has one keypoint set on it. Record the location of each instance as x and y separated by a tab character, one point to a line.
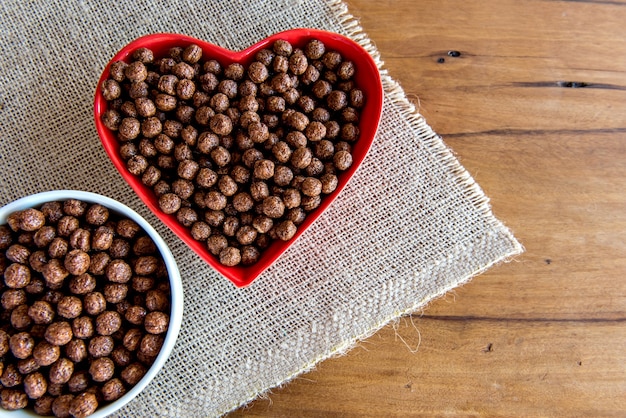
176	313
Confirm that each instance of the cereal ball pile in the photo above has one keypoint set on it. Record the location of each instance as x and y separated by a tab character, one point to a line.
85	304
239	155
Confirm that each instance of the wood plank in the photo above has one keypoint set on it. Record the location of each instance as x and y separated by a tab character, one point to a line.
510	53
465	367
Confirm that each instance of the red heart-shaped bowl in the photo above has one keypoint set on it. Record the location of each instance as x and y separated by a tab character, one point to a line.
366	77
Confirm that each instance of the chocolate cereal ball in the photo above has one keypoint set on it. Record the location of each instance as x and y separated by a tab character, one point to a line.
246	235
221	156
20	319
127	228
149	347
227	185
66	225
21	345
215	200
310	203
301	157
132	339
230	256
80	239
13	399
119	271
83	284
262	224
281	151
145	265
259	190
273	207
117	70
115	292
35	385
5	237
282	47
94	303
144	246
136	71
135	314
43	405
113	390
120	248
58	247
11	376
83	405
249	255
283	175
349	132
61	371
102	369
45	353
311	186
315	169
191	54
230	226
77	262
37	261
108	322
129	129
142	284
41	312
17	276
12	298
26	366
133	373
61	405
200	231
221	124
31	220
342	160
314	49
263	169
285	230
18	253
257	72
59	333
101	346
69	307
216	243
329	183
52	211
82	327
76	350
79	381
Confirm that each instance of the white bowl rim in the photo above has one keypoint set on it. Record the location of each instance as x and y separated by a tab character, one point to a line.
176	287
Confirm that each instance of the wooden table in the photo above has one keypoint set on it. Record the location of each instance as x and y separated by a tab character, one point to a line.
534	106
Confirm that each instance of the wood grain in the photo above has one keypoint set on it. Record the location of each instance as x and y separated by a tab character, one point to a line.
535	108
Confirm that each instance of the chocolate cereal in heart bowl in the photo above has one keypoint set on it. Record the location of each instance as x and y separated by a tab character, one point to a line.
239	152
91	305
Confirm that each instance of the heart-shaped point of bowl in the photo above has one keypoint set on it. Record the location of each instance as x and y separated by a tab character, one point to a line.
366	78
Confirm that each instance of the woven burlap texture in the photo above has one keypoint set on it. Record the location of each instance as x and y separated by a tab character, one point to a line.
411	225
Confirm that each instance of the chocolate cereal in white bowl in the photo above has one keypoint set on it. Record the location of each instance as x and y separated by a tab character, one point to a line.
90	305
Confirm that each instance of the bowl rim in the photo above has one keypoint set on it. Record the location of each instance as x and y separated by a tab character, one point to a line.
176	289
242	276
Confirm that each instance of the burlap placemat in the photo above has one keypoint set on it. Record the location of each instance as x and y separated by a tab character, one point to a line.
411	225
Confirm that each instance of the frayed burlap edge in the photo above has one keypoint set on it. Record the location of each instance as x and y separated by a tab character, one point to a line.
431	140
